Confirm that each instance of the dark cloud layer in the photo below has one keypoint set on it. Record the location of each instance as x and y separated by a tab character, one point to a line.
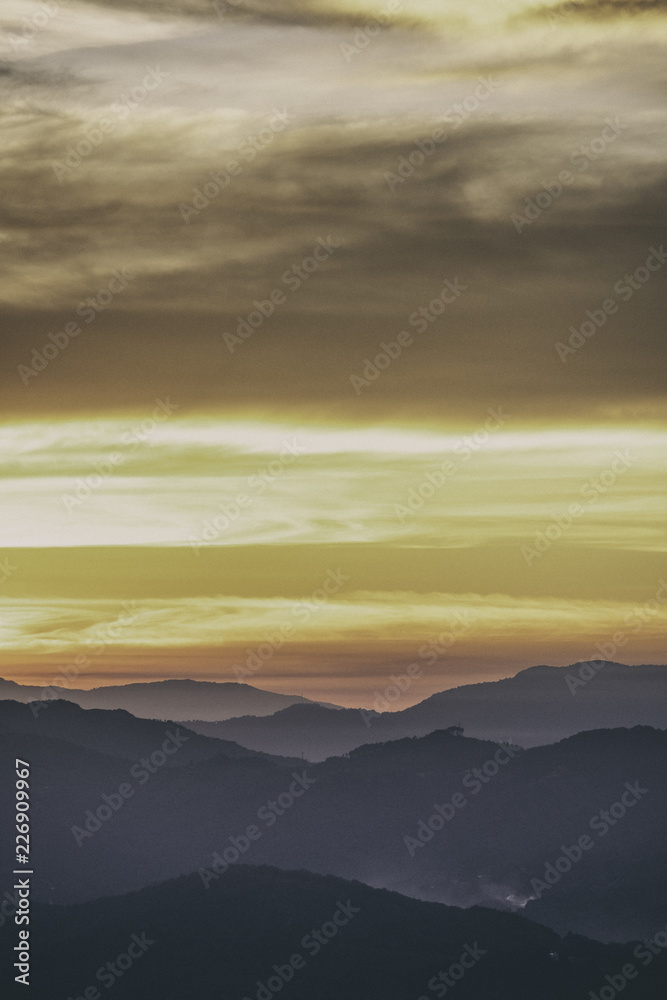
608	8
482	205
290	12
398	240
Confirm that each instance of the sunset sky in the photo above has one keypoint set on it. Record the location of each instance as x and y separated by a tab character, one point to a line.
213	215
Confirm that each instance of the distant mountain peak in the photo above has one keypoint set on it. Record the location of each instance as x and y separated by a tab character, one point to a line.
173	698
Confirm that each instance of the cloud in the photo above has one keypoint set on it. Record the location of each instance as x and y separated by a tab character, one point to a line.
605	8
450	218
358	13
320	13
309	183
343	652
121	125
206	484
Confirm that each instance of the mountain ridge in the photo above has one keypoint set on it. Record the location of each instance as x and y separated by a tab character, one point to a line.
534	707
163	699
370	815
321	936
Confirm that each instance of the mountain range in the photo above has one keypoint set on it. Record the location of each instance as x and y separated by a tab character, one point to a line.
540	705
170	699
259	932
117	732
444	818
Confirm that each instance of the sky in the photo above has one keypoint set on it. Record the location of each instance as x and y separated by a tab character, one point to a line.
332	339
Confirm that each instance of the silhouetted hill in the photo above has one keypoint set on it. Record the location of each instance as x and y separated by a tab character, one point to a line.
533	708
171	699
260	932
314	731
363	817
539	706
117	733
